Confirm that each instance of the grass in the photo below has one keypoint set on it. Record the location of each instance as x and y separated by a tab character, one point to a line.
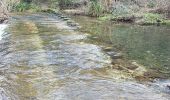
23	6
153	18
95	9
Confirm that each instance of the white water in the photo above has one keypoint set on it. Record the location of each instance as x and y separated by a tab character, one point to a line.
2	29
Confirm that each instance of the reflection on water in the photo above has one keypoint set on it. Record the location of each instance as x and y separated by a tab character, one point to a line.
44	60
147	45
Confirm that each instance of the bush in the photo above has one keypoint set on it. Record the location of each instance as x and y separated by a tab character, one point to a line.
95	9
153	18
23	6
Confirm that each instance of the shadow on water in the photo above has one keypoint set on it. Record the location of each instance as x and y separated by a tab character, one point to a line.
42	58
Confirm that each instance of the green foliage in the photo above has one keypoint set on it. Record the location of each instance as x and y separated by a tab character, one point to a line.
23	6
95	9
153	18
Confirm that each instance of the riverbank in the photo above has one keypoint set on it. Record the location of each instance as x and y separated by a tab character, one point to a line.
135	12
147	18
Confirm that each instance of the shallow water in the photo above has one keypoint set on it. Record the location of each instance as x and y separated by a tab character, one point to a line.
146	45
42	58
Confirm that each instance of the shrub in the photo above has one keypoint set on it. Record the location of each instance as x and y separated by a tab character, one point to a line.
95	9
153	18
23	6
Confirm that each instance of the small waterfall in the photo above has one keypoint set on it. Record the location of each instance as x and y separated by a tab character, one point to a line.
2	29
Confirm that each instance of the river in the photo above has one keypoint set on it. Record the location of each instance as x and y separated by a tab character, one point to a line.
42	57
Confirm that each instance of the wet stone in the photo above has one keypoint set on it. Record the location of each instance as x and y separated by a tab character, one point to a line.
63	17
108	49
115	55
66	19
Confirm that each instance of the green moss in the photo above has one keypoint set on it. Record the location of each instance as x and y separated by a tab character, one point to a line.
95	9
152	18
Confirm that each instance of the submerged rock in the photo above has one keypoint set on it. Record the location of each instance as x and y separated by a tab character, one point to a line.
108	49
63	17
66	18
115	55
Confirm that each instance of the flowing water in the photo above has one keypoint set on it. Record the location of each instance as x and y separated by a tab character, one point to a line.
43	58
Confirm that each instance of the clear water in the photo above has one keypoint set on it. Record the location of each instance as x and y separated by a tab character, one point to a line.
42	58
146	45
